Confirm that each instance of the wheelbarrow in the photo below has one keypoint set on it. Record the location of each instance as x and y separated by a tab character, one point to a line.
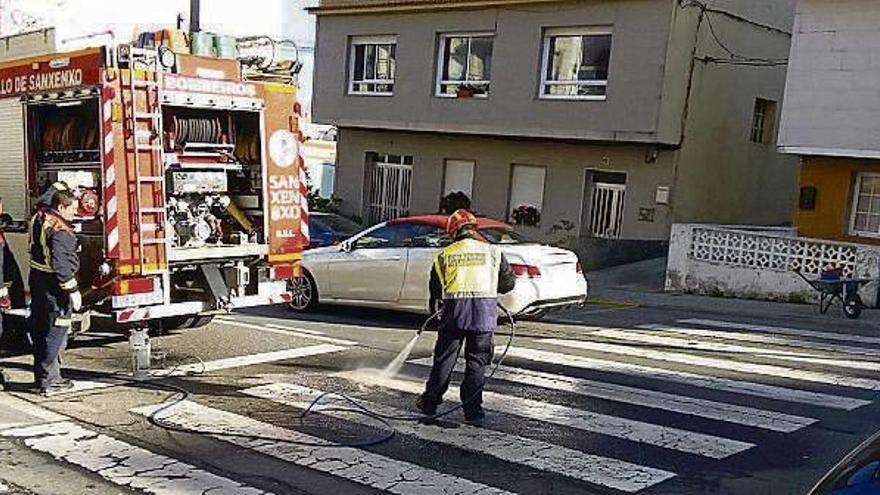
833	288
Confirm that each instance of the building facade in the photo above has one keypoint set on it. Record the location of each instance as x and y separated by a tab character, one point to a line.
831	118
594	123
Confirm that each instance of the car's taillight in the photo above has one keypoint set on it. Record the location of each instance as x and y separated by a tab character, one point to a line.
525	271
579	268
134	286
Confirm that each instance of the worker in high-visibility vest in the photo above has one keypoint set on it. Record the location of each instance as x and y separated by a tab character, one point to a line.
469	275
54	291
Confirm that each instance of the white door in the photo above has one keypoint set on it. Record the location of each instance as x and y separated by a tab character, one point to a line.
390	191
374	267
458	176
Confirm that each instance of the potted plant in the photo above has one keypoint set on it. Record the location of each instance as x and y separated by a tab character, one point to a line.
469	91
526	215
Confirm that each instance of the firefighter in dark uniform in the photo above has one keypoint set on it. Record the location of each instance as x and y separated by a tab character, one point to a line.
54	291
469	275
5	299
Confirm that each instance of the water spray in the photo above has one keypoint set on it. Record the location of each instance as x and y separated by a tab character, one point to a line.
397	363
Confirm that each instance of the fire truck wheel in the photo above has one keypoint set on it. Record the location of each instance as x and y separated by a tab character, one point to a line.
185	322
304	293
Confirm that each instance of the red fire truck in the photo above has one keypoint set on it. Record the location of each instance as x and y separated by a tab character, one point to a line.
191	193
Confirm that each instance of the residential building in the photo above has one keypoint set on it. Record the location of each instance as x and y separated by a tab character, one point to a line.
831	118
592	123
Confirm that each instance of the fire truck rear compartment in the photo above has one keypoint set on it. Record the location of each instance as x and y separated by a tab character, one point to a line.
216	231
63	139
215	182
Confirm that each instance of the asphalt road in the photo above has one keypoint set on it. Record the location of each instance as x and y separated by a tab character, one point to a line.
607	399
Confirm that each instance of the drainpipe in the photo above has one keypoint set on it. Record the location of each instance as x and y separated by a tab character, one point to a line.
195	10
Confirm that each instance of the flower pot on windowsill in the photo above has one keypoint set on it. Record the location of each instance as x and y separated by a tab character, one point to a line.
468	91
465	92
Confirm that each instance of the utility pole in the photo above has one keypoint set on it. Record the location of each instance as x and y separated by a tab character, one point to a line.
195	11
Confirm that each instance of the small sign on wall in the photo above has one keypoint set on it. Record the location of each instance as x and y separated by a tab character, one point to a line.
807	199
662	195
647	214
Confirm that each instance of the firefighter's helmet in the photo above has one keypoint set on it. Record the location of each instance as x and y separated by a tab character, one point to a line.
459	220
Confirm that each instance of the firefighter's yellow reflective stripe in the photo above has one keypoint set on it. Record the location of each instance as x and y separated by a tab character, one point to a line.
468	268
69	285
63	321
31	233
42	268
44	243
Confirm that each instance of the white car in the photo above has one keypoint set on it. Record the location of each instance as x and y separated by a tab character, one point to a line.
389	266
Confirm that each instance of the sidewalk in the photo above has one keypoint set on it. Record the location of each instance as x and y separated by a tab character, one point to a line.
642	283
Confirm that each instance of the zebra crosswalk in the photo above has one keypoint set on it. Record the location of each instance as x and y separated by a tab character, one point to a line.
616	410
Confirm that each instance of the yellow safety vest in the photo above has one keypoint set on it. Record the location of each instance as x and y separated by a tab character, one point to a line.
468	269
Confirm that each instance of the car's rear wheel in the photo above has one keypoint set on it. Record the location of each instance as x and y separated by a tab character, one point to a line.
303	292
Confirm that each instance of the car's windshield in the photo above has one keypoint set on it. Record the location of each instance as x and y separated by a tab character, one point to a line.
338	224
499	235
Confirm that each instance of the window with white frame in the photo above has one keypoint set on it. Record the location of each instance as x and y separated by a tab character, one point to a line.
526	194
576	63
763	121
465	64
372	65
866	206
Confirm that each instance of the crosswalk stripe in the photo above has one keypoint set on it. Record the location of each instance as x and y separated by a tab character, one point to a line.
627	429
290	332
124	464
215	365
697	345
767	339
695	380
298	329
724	364
603	471
252	359
720	411
355	465
797	332
19	412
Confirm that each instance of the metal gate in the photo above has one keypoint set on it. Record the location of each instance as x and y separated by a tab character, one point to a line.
390	191
606	212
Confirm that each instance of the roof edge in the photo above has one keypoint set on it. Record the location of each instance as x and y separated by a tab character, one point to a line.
831	152
403	6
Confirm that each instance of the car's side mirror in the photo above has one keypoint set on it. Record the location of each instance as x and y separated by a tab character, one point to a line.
346	247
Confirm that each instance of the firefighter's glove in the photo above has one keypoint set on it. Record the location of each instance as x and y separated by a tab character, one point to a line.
76	301
5	301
